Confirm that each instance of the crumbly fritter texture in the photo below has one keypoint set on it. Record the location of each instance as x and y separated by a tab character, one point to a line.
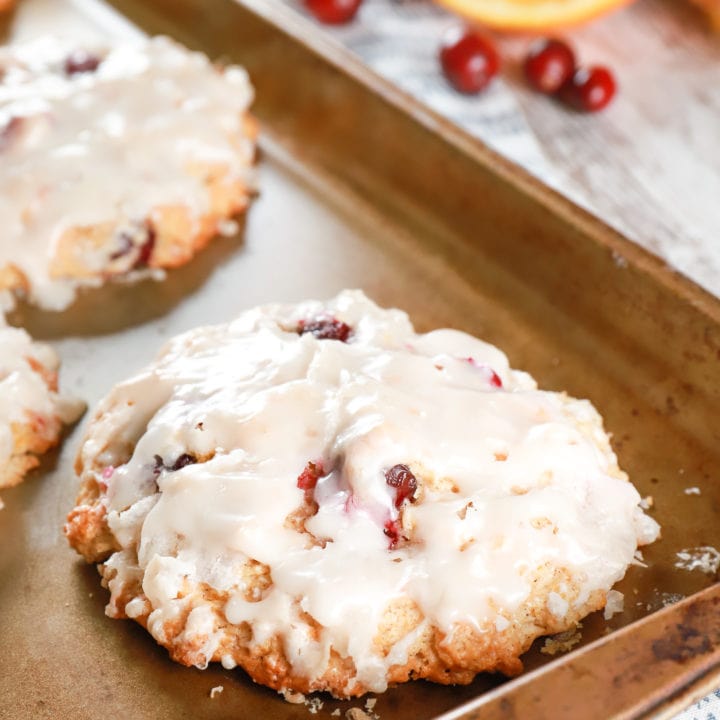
171	192
168	238
36	433
134	458
30	440
432	655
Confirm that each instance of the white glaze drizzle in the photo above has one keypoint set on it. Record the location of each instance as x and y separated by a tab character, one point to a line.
107	146
266	400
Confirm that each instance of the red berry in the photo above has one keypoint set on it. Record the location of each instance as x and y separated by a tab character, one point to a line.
307	480
589	89
179	464
81	61
549	65
404	482
182	461
492	377
325	328
392	531
333	12
468	60
138	239
147	247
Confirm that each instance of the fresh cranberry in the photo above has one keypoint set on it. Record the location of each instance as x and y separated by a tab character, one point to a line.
404	482
468	60
307	479
128	243
333	12
495	380
589	89
125	246
325	328
147	247
492	376
81	61
392	530
549	65
180	462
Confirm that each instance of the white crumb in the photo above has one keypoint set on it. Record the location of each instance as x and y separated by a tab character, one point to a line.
692	491
670	598
370	707
663	599
228	228
557	605
501	623
615	604
335	712
563	642
314	705
357	714
647	502
296	698
704	558
619	260
216	691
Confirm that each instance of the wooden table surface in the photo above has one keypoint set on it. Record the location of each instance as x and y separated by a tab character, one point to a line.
650	164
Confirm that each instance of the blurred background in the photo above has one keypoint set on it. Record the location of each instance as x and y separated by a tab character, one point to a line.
648	163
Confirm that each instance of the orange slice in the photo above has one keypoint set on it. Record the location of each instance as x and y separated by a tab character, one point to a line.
531	15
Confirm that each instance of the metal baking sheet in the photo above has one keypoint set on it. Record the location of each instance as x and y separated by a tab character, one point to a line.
363	187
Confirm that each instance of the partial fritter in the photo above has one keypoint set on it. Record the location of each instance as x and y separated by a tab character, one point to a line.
115	162
32	412
333	502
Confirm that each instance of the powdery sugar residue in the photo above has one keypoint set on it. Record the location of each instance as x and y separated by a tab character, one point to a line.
705	558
